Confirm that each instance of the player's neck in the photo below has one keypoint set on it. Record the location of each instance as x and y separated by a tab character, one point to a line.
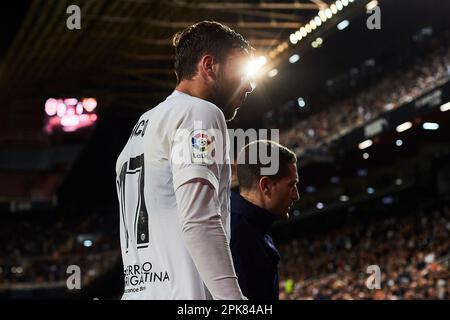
195	89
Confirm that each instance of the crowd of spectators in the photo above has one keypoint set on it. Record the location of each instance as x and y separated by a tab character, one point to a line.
394	89
412	253
38	250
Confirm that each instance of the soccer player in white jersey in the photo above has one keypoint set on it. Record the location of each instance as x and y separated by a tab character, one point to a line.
173	175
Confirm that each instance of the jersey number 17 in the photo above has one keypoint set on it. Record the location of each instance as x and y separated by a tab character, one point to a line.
135	166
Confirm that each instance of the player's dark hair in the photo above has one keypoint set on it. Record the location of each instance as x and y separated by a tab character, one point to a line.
249	174
206	37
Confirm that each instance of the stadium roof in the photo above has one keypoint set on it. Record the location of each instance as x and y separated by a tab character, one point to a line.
122	54
123	51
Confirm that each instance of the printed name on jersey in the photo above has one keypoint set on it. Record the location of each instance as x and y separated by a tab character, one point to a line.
139	275
139	129
202	147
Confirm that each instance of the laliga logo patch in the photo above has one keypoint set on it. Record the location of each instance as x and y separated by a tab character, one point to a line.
201	141
201	147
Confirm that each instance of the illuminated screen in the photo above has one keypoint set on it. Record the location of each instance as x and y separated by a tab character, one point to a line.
69	114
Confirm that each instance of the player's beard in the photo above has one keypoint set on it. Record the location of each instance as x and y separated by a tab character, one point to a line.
231	118
225	97
285	216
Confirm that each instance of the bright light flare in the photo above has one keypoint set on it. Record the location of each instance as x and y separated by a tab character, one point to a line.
255	65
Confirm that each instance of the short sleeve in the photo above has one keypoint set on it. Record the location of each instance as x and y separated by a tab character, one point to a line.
198	146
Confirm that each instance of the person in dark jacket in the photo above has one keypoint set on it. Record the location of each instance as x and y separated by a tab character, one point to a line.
263	198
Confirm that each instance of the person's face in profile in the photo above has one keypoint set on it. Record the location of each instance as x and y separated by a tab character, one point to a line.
284	193
232	83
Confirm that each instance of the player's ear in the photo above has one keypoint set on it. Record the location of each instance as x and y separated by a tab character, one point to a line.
208	66
265	186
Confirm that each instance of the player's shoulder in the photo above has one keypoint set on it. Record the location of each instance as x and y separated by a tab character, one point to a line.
184	104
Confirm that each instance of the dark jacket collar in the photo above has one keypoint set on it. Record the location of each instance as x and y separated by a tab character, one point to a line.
259	217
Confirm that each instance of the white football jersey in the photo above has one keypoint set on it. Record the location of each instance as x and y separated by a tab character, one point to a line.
181	139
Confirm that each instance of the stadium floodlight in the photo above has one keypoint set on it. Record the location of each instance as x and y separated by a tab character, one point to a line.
344	198
398	182
308	28
328	13
344	3
303	31
430	125
399	142
317	20
339	5
322	16
365	144
87	243
319	205
445	107
294	58
317	43
404	126
301	102
365	156
333	8
272	73
293	38
343	24
372	4
313	24
370	190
